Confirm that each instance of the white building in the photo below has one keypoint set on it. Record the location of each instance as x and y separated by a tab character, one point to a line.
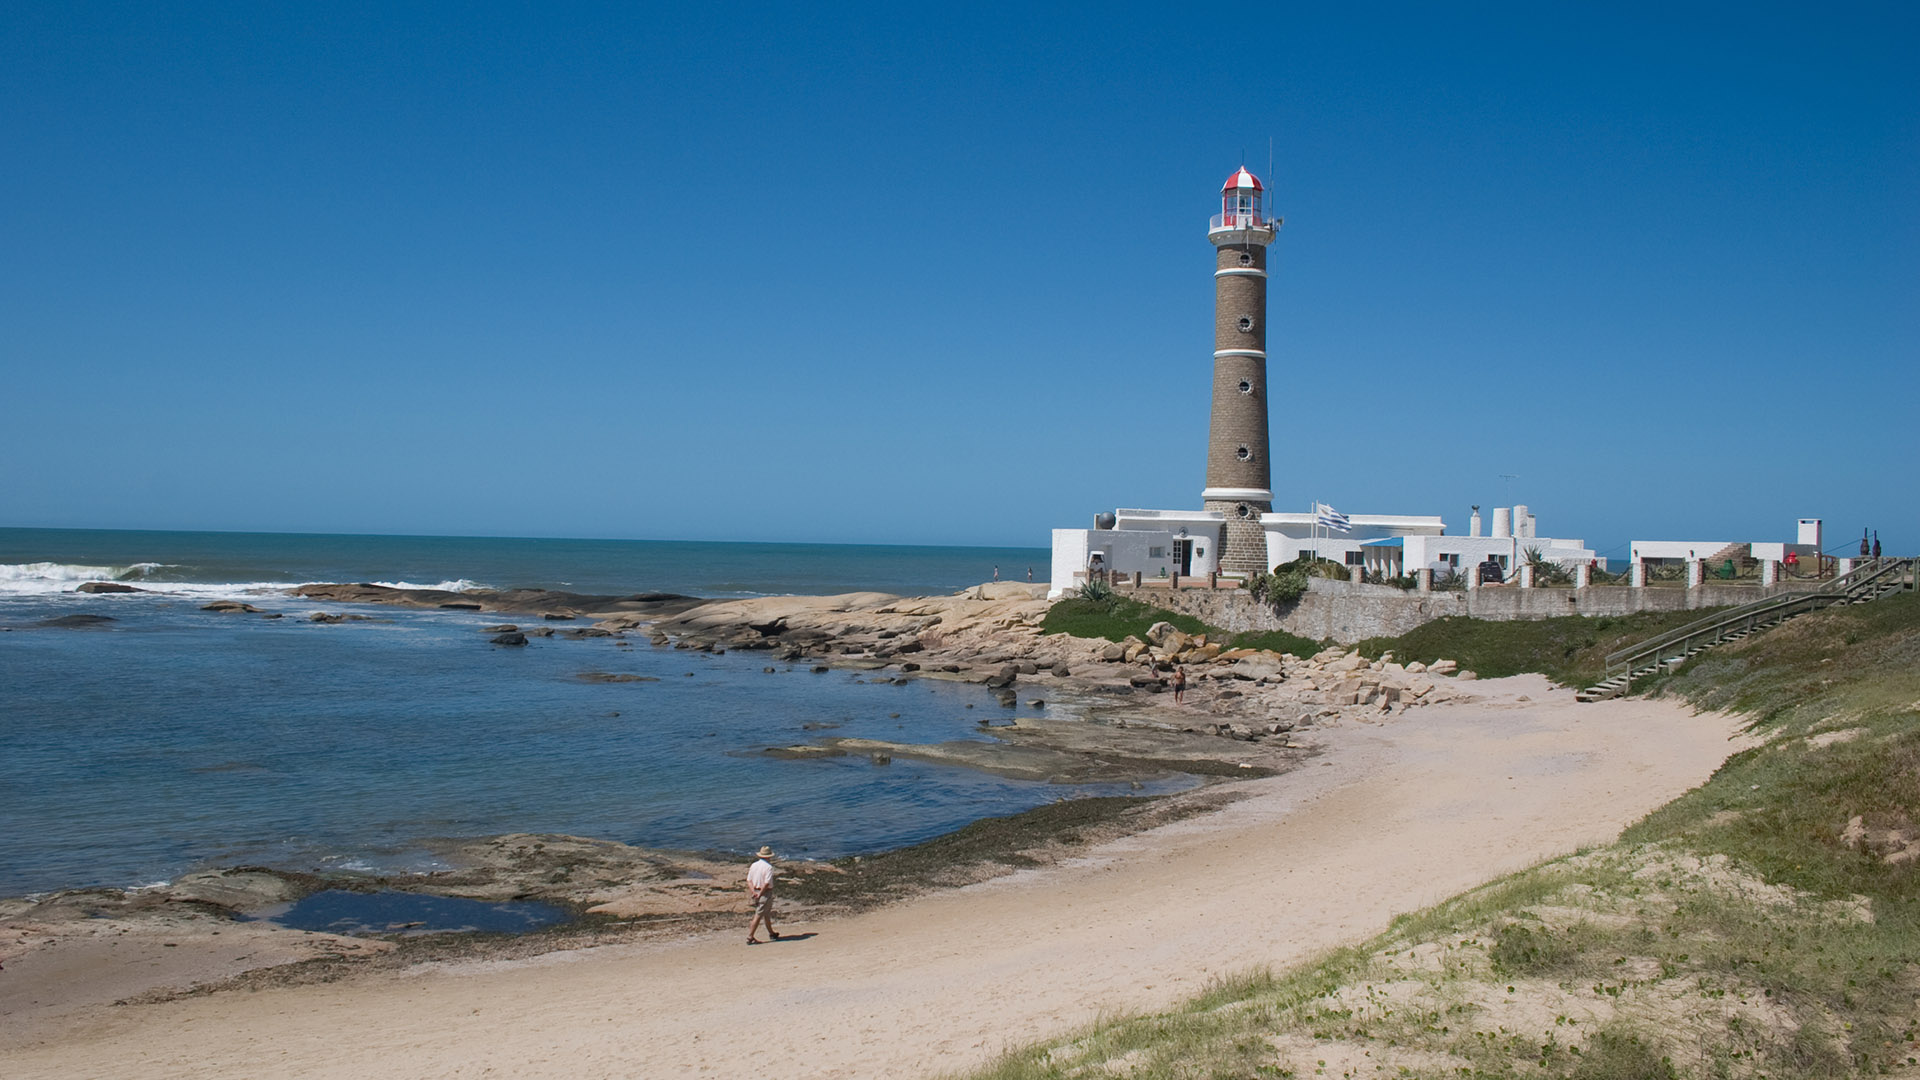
1162	544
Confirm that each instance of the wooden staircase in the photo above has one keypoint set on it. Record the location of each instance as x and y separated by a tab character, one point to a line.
1864	584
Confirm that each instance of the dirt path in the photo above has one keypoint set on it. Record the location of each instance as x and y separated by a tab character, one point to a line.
1394	817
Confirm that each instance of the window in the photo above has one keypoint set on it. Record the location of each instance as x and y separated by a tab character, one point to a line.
1354	558
1243	453
1246	324
1246	386
1246	258
1156	553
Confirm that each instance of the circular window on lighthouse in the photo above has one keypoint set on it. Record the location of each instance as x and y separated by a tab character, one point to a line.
1245	510
1246	258
1246	386
1243	453
1246	324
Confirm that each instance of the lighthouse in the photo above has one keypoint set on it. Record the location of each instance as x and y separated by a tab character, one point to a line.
1239	478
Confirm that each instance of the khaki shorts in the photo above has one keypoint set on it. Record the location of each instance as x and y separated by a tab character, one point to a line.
764	905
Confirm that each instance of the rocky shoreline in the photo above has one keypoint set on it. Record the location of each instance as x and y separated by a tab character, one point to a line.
1244	714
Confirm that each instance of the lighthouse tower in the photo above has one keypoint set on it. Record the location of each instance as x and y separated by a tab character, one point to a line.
1239	481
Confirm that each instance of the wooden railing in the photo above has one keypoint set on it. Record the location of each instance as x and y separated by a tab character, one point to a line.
1864	582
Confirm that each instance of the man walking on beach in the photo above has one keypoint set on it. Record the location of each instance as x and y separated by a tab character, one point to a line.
760	895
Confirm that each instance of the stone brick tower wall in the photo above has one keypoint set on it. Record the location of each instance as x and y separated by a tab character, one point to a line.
1239	474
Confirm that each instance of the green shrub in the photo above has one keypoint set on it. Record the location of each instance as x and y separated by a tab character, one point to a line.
1113	618
1275	641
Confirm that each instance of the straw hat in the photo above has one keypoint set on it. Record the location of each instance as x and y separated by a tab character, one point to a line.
765	852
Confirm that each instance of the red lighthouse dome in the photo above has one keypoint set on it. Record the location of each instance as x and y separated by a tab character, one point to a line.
1240	205
1241	181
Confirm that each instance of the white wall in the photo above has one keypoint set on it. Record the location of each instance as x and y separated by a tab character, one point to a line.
1641	550
1069	557
1149	553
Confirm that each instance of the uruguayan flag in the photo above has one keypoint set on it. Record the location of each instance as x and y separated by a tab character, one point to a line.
1329	518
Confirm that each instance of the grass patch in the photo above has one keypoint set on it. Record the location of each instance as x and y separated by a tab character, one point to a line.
1570	649
1275	641
1114	619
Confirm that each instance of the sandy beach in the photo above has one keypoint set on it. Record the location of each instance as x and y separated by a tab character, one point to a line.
1391	816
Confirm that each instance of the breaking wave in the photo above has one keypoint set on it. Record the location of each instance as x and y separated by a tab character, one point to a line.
459	585
50	578
46	577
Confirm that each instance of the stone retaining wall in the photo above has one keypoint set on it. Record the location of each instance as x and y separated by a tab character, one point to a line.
1346	612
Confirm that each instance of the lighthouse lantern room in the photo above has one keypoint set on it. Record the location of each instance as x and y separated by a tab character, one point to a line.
1240	205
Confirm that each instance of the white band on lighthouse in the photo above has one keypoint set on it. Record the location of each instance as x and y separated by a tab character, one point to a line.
1218	353
1240	271
1238	494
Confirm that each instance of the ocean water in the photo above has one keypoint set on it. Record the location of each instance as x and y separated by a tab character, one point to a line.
157	738
40	562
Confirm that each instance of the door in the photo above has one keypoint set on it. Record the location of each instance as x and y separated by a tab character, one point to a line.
1183	555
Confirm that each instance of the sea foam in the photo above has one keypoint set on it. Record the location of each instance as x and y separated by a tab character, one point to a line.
457	585
53	579
35	578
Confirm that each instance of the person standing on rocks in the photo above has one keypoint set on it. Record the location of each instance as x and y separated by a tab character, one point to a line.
1179	684
760	895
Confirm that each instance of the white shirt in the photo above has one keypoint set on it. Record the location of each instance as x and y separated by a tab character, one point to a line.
760	876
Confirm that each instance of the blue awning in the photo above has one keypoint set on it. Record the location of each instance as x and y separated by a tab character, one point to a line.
1389	541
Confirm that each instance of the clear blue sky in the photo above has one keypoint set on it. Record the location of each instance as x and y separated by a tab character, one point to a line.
916	274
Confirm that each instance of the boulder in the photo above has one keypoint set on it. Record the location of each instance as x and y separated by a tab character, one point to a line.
1443	667
106	587
1114	652
1467	676
75	622
230	607
323	617
503	628
514	638
1416	668
1349	662
1258	666
1003	678
557	616
1027	667
236	890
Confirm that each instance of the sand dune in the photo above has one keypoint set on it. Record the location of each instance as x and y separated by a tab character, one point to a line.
1394	816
